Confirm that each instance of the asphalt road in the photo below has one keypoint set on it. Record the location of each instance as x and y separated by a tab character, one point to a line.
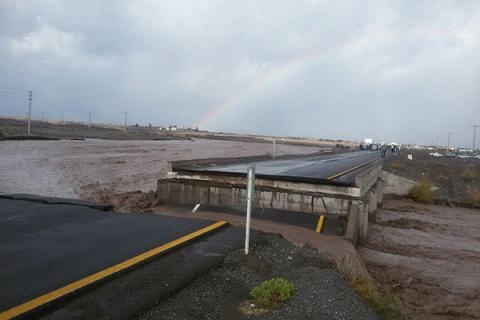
136	292
44	247
322	167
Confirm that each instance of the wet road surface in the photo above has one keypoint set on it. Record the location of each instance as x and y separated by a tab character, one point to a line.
321	168
44	247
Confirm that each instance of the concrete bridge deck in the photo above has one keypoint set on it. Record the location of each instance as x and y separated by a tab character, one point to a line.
337	169
346	187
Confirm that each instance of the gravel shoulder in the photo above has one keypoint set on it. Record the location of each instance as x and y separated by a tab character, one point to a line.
223	293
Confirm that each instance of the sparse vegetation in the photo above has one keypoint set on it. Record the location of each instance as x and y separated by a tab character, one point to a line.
452	175
272	293
470	174
380	300
422	192
443	179
397	165
473	197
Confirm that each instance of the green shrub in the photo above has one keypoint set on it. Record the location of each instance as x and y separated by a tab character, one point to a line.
272	293
422	192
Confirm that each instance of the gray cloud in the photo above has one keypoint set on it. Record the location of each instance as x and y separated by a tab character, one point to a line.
397	70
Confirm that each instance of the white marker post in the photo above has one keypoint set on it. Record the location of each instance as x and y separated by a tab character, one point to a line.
274	153
250	192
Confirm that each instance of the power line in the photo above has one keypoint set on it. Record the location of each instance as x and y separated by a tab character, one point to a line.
7	86
12	97
3	91
22	94
11	89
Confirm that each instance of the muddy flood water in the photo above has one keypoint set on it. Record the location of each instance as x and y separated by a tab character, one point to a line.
73	169
429	256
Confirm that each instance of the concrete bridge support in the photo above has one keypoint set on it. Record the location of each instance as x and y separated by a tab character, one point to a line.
351	234
372	204
363	218
379	192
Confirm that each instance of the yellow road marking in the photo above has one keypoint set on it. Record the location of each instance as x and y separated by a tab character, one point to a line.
32	304
350	170
320	223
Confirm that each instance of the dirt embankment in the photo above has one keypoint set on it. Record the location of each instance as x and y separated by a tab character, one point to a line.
457	179
429	256
16	129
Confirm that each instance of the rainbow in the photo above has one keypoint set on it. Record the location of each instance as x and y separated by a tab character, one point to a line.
276	74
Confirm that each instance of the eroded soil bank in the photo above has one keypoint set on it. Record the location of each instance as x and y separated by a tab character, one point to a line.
429	256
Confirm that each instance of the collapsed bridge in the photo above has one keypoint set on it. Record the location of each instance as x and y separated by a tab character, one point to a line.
345	187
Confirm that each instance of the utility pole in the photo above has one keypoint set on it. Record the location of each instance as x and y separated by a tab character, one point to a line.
29	96
448	144
474	126
90	119
125	124
62	116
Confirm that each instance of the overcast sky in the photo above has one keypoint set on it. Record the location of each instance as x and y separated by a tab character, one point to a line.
407	71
